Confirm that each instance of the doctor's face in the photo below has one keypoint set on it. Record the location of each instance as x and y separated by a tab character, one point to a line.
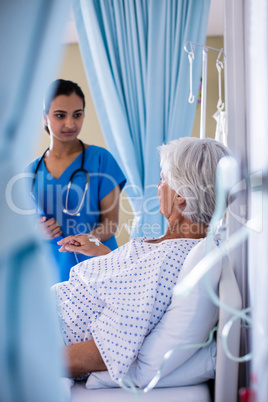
65	117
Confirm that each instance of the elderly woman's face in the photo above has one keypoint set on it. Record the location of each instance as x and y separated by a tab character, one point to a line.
166	197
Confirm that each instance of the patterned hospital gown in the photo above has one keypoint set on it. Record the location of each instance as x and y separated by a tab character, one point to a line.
117	299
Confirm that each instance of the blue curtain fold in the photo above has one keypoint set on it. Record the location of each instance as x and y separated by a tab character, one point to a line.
31	363
138	73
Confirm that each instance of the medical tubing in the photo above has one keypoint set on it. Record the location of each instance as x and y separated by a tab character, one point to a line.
76	258
237	314
216	300
225	332
154	381
233	242
128	385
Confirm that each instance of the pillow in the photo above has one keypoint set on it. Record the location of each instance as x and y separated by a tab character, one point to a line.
199	368
187	321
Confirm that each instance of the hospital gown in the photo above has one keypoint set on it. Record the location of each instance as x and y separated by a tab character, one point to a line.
117	299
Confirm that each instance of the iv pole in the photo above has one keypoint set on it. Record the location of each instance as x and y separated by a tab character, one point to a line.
204	80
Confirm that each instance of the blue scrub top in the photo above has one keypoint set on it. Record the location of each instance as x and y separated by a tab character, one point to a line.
50	195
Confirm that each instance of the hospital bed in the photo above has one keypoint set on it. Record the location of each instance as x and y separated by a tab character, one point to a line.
222	389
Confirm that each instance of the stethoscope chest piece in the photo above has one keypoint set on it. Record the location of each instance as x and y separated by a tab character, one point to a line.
77	212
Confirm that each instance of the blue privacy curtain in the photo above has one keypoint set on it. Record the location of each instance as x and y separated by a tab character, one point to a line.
138	73
30	360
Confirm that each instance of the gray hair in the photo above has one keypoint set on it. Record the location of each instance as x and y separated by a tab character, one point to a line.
189	167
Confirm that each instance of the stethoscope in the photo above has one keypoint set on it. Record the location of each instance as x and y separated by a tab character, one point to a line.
81	169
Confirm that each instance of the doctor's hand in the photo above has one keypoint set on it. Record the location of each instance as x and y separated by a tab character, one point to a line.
50	227
83	244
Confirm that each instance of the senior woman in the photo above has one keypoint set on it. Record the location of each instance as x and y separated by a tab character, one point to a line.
111	303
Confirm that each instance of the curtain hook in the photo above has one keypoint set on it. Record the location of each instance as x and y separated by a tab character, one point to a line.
219	66
219	62
191	45
190	58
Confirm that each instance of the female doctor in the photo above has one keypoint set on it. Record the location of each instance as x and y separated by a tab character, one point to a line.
76	186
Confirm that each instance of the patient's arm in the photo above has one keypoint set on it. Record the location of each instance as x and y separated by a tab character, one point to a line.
83	357
83	244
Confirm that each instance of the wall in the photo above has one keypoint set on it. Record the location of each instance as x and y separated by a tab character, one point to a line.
72	68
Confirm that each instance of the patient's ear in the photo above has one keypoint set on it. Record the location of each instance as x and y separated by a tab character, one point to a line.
180	202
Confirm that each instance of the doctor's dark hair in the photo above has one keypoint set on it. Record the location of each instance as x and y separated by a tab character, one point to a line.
189	167
61	87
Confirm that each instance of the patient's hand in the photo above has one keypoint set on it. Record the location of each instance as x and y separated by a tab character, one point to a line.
50	227
82	244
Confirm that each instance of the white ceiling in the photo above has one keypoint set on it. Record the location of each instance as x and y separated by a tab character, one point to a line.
215	23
